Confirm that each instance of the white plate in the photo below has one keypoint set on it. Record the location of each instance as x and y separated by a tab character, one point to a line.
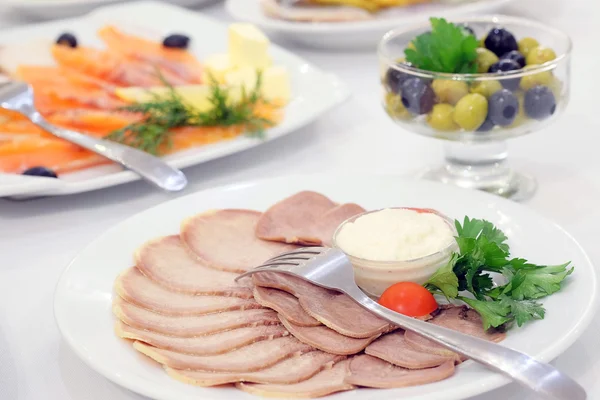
314	91
50	9
83	297
356	34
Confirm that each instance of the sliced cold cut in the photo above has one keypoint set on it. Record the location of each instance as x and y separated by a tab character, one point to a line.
394	349
225	240
166	261
323	338
190	326
334	310
306	218
254	357
136	288
326	382
313	13
373	372
285	304
216	343
292	370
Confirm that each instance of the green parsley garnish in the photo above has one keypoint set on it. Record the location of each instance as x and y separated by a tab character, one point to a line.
484	251
165	113
447	48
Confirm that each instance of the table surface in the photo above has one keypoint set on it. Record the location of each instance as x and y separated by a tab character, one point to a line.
38	238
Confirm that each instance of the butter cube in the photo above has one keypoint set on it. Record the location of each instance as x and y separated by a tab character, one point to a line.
216	66
248	46
276	86
244	77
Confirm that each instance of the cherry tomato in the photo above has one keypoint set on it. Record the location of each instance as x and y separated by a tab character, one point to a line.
408	298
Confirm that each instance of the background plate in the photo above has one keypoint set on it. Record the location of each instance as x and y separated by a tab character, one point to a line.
84	294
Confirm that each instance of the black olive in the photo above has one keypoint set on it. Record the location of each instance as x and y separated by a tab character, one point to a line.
67	39
40	171
176	41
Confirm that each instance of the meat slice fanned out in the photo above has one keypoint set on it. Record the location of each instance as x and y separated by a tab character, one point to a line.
306	218
137	289
323	338
226	240
368	371
166	261
394	349
254	357
190	326
285	304
314	13
216	343
334	310
292	370
326	382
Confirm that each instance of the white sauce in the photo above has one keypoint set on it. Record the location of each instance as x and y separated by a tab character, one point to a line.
395	234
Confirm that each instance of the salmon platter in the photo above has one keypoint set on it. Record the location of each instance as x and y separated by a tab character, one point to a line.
159	86
177	301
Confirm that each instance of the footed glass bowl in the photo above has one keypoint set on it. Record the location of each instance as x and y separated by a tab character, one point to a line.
476	113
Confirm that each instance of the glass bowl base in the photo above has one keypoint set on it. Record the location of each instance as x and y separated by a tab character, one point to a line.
509	184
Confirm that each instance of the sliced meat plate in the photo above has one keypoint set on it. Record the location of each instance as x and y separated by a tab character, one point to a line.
216	343
137	289
373	372
254	357
292	370
285	304
167	262
191	326
226	240
326	382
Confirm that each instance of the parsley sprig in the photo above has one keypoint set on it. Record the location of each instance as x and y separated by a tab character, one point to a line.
468	277
165	113
447	48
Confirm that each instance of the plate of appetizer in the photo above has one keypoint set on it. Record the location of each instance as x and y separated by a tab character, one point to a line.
175	84
49	9
348	24
153	304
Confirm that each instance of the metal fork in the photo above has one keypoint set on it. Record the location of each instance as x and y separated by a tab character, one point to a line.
18	96
331	269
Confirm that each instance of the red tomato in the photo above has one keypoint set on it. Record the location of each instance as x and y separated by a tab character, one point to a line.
408	298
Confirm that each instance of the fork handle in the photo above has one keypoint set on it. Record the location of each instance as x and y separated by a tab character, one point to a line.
541	378
145	165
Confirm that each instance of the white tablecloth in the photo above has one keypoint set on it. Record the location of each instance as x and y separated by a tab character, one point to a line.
38	238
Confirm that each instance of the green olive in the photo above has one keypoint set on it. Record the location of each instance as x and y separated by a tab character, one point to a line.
394	106
449	91
411	46
485	59
470	111
541	78
486	88
540	55
482	42
527	44
441	118
556	86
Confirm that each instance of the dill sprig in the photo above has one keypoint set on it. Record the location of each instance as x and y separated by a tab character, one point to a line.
165	113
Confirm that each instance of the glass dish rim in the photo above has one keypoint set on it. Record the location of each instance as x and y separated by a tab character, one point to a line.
383	263
496	19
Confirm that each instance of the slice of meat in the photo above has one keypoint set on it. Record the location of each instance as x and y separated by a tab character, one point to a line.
326	382
254	357
314	13
166	261
323	338
217	343
285	304
373	372
306	218
334	310
292	370
137	289
394	349
462	319
190	326
225	240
